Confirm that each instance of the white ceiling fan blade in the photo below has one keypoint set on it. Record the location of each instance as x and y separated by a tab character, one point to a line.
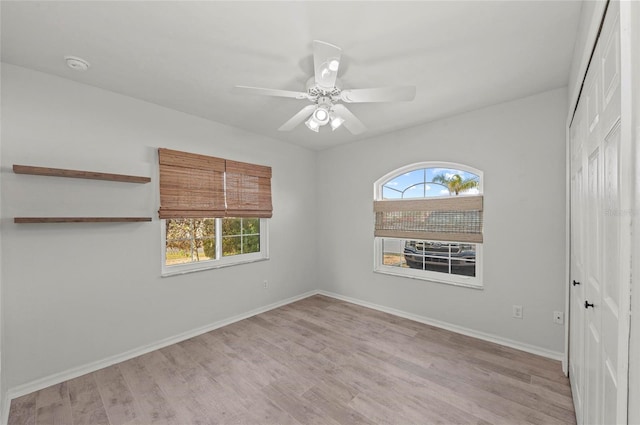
270	92
381	94
353	124
326	61
302	115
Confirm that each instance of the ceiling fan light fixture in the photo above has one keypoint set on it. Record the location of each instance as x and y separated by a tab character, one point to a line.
336	122
312	124
321	115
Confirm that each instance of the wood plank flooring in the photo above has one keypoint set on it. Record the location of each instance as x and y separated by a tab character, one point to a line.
316	361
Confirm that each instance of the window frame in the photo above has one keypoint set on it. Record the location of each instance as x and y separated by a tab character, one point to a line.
475	282
220	261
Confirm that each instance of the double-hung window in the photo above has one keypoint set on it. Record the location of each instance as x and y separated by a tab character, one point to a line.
213	211
428	223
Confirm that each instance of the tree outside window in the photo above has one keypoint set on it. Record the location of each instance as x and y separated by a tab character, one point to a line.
194	239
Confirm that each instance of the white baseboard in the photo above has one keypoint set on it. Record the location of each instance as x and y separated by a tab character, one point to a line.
57	378
555	355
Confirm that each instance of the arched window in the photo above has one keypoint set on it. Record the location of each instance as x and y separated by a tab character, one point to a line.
428	223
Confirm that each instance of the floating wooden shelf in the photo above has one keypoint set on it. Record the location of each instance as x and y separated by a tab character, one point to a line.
93	175
28	220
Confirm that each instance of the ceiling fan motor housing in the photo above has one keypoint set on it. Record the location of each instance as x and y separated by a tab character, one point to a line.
316	92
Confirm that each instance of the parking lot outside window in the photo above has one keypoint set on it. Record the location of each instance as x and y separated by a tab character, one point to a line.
428	224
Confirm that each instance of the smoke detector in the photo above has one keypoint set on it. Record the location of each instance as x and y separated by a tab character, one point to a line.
76	63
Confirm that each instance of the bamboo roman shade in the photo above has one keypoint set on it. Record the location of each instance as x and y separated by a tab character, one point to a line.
193	186
442	219
248	190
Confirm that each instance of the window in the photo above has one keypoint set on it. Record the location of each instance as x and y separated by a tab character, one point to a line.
196	244
214	211
428	223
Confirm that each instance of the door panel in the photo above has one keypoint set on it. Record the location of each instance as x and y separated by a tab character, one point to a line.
593	400
610	71
576	318
593	396
611	289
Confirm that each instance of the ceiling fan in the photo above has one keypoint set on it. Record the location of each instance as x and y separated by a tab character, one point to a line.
324	91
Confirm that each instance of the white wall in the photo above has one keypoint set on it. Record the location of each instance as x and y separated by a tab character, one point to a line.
79	293
520	147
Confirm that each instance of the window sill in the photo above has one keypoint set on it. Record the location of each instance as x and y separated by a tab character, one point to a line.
208	265
431	278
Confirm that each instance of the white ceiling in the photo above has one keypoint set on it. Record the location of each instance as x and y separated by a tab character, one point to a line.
188	55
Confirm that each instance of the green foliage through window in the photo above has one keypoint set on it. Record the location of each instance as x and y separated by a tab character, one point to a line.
240	236
191	240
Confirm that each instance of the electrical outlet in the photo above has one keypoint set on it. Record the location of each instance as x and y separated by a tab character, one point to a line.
265	284
517	311
558	317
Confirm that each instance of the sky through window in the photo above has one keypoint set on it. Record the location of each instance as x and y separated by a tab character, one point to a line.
419	184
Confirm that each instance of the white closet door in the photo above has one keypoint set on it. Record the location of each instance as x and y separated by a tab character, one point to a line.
599	319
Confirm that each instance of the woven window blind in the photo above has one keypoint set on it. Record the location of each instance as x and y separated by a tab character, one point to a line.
193	186
442	219
248	190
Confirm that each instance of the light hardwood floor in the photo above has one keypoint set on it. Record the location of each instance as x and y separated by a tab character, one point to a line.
316	361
